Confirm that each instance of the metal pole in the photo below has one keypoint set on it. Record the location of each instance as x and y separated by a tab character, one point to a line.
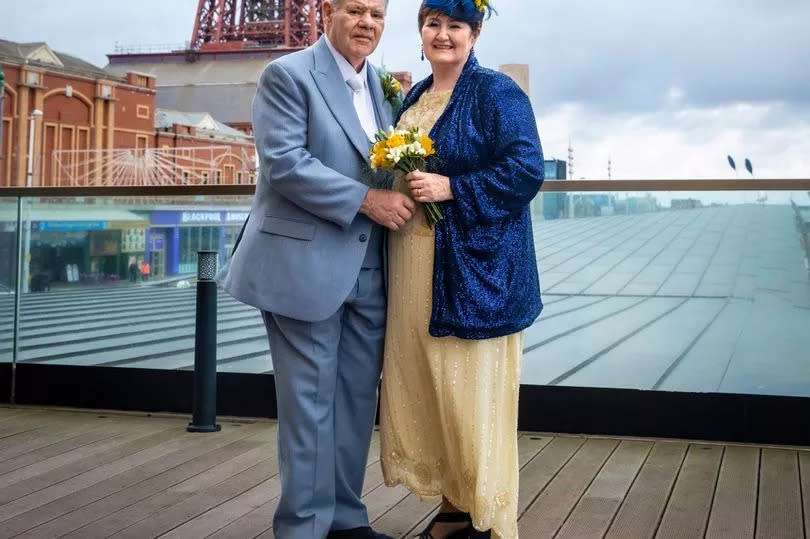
17	303
29	183
204	416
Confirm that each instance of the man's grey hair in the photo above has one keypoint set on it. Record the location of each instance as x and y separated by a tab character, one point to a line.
337	3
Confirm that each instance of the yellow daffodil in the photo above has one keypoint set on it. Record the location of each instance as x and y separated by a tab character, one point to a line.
427	145
395	141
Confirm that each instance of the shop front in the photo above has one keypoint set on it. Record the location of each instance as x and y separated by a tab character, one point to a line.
175	237
65	250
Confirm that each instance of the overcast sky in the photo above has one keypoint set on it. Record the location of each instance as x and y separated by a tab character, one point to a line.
664	89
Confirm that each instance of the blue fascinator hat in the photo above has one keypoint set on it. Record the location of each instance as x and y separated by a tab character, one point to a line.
469	11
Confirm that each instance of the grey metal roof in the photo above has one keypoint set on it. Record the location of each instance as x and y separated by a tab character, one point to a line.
20	52
203	121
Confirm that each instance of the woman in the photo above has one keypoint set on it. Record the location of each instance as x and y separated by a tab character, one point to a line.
460	294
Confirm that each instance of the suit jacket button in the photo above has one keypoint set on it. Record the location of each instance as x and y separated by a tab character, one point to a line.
363	238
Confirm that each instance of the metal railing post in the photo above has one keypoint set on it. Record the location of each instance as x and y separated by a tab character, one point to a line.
15	338
204	416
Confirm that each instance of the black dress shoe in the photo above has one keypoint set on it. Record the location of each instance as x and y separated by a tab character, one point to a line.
467	532
357	533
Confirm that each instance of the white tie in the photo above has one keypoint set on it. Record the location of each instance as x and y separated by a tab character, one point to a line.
361	105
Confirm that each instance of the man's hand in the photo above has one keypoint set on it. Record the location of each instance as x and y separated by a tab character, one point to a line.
390	209
427	187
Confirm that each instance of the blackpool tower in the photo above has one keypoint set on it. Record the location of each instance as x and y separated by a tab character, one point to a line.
246	24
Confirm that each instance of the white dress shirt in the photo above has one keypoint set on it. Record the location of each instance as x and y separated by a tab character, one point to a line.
357	86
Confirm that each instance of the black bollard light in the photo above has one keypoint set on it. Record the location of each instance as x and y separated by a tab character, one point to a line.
204	416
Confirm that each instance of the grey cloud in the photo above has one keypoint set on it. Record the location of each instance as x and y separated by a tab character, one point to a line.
629	55
620	56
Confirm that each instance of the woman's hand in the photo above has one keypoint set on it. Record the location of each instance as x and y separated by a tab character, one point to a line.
428	187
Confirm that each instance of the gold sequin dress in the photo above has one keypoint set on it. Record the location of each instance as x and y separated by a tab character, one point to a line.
448	406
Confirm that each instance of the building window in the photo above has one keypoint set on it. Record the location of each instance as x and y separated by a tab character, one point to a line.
239	178
204	178
32	78
185	177
219	177
193	239
142	111
252	177
141	143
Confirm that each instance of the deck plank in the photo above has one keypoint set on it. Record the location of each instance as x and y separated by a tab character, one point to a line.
641	510
595	511
804	469
734	510
780	508
687	512
547	514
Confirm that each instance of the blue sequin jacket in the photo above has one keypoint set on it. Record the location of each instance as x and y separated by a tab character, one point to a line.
485	277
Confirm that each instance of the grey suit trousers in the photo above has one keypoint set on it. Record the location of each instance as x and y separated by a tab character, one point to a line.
326	376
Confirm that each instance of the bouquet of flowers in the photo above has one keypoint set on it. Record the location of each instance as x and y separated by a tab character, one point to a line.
405	150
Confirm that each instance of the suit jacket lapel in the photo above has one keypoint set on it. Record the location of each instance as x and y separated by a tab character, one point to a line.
382	109
334	91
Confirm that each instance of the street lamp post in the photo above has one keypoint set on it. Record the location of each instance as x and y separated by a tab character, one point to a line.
31	125
29	182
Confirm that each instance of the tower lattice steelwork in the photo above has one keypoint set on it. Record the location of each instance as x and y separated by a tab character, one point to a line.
237	24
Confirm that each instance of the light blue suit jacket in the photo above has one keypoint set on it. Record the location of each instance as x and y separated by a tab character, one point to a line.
303	245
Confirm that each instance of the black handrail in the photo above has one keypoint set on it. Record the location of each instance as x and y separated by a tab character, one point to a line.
550	186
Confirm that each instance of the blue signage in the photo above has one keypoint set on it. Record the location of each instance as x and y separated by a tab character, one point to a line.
63	226
193	218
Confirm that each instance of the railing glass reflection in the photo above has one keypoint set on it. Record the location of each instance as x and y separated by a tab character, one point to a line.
111	283
684	291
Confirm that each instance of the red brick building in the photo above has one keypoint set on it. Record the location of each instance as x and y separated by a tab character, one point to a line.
93	122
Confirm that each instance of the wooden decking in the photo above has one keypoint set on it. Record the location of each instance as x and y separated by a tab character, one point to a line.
87	475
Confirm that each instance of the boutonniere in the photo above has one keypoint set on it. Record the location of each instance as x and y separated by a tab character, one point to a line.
392	90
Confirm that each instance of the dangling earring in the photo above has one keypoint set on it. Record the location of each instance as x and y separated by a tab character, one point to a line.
423	53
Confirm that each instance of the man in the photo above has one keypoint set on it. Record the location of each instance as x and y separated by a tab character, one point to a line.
311	258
